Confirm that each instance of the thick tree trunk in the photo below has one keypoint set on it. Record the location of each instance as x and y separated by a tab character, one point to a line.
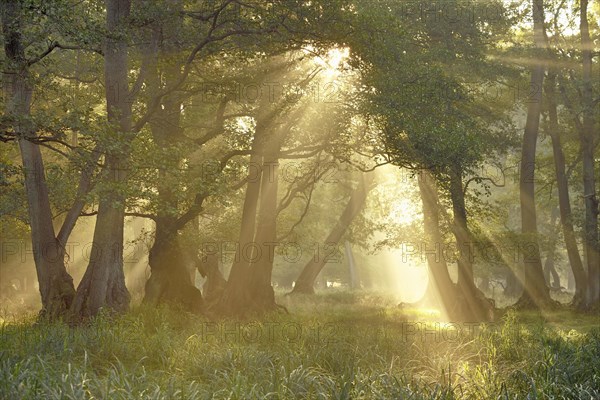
103	284
170	281
306	280
55	284
564	201
588	144
473	303
248	289
440	283
536	293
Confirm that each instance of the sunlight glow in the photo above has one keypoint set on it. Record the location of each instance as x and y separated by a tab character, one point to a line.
333	62
404	212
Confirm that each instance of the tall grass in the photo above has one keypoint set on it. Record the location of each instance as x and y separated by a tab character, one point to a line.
365	348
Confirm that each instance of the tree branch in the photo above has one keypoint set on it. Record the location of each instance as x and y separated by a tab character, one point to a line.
85	185
56	45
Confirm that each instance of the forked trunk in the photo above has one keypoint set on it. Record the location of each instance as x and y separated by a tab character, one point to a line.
55	284
306	280
564	202
248	289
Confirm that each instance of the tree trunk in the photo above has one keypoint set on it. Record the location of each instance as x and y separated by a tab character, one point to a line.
564	201
440	283
472	301
552	277
215	282
306	280
514	286
261	267
103	284
536	293
248	288
236	295
484	284
354	280
170	281
588	144
55	284
550	274
571	288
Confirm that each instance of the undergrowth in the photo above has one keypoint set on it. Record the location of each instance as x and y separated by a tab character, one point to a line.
352	346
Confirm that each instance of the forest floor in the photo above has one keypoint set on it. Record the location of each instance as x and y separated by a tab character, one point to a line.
340	345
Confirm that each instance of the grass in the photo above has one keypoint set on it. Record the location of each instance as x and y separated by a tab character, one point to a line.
340	346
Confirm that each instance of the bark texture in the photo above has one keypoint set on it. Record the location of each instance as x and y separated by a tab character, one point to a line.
103	284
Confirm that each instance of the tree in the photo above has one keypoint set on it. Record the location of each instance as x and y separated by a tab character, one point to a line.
474	304
169	280
248	288
536	292
566	216
306	280
226	30
427	116
103	284
55	284
588	145
440	284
